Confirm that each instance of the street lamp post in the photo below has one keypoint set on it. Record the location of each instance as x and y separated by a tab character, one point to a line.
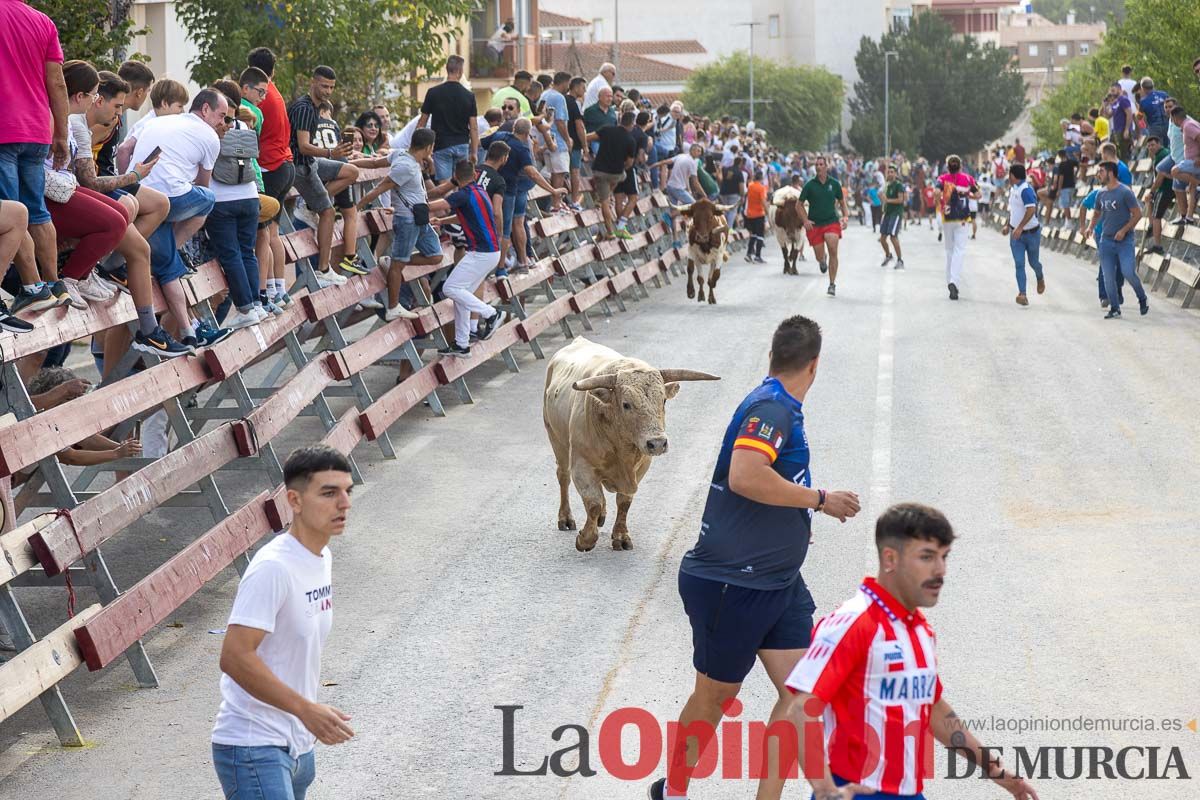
616	60
751	26
887	133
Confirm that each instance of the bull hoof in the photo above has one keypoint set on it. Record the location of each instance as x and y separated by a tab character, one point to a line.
712	299
567	524
600	521
582	545
622	542
691	291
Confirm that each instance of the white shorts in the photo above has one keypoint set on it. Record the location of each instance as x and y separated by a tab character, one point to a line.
559	161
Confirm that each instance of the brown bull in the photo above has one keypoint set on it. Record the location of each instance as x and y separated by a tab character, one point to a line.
789	231
707	239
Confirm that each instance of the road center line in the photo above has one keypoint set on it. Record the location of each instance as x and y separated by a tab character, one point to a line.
881	455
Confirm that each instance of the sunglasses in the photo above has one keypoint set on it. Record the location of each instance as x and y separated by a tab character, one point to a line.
229	120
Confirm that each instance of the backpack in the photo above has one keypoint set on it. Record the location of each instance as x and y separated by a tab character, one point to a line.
959	205
239	146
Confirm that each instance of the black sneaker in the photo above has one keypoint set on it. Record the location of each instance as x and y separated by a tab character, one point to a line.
1157	250
10	323
1144	307
118	277
59	290
831	291
824	267
454	351
953	291
160	343
1113	313
657	790
353	266
40	300
208	335
488	326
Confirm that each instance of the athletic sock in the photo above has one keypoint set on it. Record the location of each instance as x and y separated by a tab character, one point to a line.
474	326
33	288
146	320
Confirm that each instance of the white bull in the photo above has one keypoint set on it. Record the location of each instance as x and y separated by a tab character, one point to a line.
605	415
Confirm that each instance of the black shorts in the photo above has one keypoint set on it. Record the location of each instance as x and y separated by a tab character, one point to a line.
730	624
278	183
890	225
1163	204
629	184
756	225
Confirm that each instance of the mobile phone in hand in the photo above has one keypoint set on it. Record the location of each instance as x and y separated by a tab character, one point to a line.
153	155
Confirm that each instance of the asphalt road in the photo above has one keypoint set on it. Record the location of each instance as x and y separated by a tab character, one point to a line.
1064	448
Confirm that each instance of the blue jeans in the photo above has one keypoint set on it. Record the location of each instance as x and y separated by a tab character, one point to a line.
232	228
23	178
406	236
1116	256
1029	243
165	263
262	773
445	159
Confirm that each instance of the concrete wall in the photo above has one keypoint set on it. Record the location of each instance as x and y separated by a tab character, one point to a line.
166	44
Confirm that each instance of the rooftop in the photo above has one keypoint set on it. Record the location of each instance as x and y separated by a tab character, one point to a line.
548	19
1079	32
585	58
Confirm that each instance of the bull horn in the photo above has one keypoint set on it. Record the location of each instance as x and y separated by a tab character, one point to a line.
683	209
726	208
675	375
606	381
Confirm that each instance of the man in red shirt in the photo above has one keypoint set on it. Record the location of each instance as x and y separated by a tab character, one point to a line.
871	674
275	159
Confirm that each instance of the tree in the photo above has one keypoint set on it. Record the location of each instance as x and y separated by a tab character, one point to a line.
370	44
1158	38
959	95
806	102
88	30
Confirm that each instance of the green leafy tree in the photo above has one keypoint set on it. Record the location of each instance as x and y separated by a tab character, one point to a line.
92	30
1158	38
957	95
371	44
806	102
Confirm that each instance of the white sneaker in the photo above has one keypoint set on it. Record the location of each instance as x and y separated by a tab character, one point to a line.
260	312
77	300
385	262
371	302
93	287
399	312
238	319
329	278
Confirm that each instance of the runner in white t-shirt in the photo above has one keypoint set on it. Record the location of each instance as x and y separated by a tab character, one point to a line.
270	720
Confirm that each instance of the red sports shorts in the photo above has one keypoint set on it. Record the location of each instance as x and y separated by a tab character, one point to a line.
818	233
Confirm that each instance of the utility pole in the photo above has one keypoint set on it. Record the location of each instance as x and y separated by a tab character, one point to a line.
616	54
887	96
751	26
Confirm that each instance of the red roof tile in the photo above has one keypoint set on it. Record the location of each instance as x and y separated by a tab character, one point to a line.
635	69
548	19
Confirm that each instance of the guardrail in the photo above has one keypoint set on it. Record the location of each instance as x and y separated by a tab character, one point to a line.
319	341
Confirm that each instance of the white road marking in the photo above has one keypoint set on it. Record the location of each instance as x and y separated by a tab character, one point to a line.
881	455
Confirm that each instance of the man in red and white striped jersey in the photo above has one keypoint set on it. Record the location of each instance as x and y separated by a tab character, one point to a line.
870	675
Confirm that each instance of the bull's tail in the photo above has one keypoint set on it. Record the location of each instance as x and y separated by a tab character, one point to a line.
724	254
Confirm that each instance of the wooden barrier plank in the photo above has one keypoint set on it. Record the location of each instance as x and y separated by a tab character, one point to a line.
48	661
390	406
208	281
607	249
541	271
590	217
30	440
247	344
622	281
586	298
332	299
552	226
532	327
346	433
17	555
286	403
356	357
451	369
647	271
65	324
573	260
57	546
108	634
